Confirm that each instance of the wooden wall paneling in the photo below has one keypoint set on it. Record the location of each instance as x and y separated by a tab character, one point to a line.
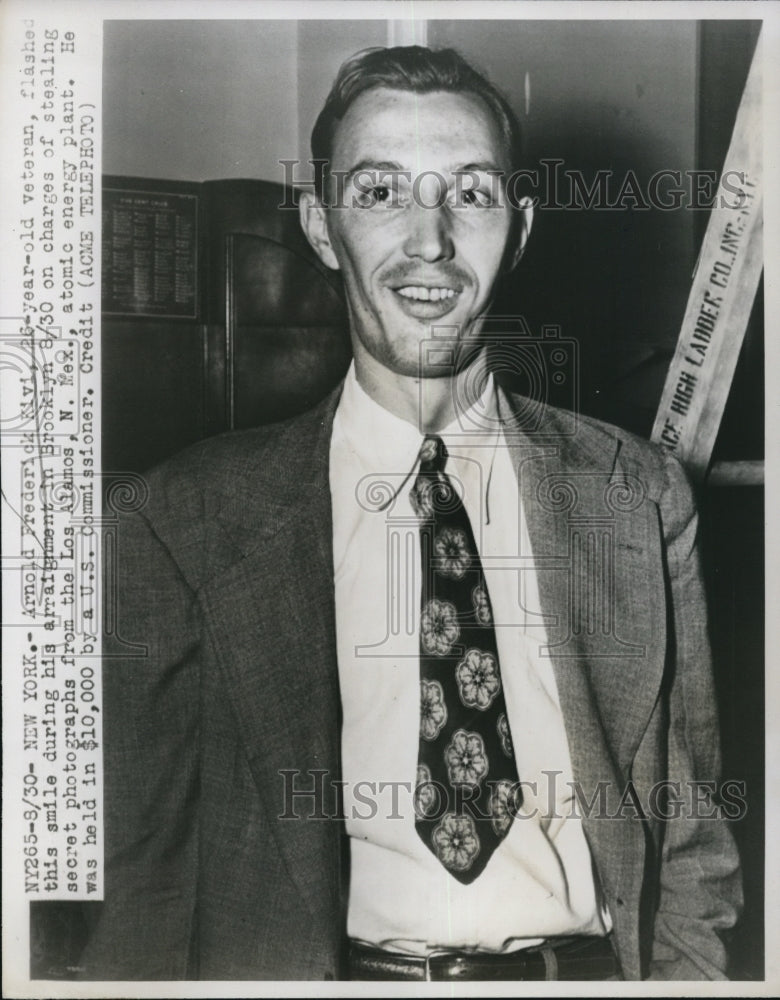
279	311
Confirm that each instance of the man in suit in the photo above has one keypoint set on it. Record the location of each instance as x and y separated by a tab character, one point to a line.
324	766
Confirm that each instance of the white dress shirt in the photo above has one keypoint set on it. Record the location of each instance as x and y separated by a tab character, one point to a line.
540	880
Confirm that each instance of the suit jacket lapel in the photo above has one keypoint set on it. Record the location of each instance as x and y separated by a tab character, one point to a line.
590	528
273	624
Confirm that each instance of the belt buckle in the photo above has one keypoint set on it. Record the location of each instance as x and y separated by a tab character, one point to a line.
440	953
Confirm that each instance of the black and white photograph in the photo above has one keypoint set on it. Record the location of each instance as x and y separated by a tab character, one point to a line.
383	519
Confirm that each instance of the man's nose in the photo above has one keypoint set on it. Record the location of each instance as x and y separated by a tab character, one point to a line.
430	233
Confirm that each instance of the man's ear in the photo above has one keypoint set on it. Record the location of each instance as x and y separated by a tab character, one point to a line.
526	212
315	225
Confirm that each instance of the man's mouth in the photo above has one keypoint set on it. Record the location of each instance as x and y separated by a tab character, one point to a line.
424	294
426	302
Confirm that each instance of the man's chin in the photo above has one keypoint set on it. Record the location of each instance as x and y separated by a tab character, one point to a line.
420	350
438	358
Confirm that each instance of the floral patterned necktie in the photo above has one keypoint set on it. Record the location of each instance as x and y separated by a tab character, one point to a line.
467	790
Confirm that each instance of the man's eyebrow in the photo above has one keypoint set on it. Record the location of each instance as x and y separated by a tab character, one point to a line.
485	166
377	166
381	168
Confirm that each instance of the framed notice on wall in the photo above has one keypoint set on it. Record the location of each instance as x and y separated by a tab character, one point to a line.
150	253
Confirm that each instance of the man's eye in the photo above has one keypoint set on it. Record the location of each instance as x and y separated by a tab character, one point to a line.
478	197
380	194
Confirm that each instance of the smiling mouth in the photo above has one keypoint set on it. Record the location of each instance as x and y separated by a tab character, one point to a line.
422	293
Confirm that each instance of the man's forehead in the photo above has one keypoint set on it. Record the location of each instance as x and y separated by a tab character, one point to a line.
411	130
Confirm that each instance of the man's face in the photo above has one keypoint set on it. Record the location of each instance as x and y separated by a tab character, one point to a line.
417	224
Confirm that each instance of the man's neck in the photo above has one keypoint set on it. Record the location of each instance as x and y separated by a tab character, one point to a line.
428	403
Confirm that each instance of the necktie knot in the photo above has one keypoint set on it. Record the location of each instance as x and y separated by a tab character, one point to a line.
433	454
432	493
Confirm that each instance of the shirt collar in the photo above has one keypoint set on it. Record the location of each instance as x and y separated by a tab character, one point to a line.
375	438
380	442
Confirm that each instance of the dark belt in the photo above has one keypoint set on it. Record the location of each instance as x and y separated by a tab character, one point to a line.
569	958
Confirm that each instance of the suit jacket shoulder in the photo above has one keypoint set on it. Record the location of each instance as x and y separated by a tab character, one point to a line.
214	502
589	443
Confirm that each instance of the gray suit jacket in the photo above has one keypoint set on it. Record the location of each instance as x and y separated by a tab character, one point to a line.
225	585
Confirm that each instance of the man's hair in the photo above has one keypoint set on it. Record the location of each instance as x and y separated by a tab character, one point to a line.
415	69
